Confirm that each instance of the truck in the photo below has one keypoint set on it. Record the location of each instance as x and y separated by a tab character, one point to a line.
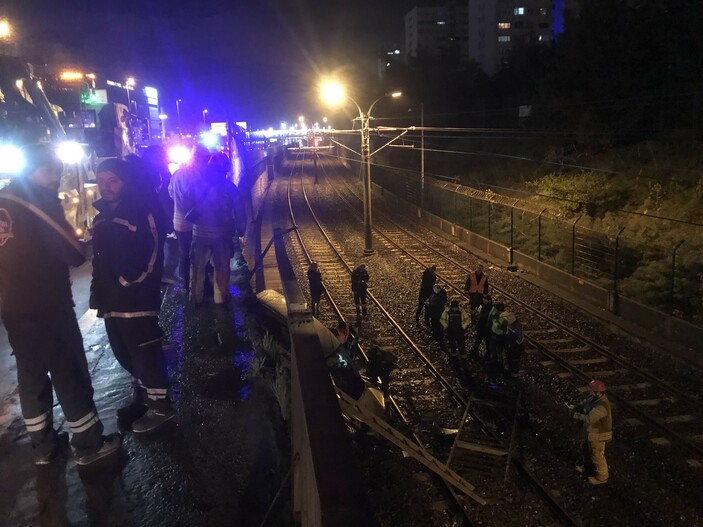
28	117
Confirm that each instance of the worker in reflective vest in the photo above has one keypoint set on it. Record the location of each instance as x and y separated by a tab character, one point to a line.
597	417
455	321
475	287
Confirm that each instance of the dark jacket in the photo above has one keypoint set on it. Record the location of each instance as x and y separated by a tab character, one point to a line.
437	303
127	262
484	311
315	279
359	280
428	280
35	253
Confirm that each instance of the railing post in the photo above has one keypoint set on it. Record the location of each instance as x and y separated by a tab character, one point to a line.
512	223
672	302
471	214
490	206
615	271
573	246
539	235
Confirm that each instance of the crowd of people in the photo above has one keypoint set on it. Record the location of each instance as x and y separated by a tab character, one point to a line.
145	218
497	332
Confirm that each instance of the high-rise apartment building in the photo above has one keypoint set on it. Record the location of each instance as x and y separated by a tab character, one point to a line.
435	31
497	26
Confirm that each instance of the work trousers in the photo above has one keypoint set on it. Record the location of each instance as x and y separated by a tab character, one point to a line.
594	459
360	297
136	343
185	240
49	352
456	342
475	300
481	336
218	251
420	306
171	258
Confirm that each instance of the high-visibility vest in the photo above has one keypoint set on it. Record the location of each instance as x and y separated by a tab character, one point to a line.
477	286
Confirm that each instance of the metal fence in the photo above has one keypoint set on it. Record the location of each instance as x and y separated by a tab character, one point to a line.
669	279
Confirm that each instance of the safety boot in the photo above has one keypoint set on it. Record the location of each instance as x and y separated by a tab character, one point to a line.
152	420
596	481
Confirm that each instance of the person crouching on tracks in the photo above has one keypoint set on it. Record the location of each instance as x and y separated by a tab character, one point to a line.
597	417
481	326
454	320
125	289
359	285
215	221
514	346
429	277
316	287
37	247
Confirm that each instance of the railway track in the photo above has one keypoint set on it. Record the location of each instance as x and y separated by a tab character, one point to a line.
669	414
427	396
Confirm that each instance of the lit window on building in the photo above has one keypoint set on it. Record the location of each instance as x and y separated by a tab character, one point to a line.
441	22
519	11
504	38
543	11
504	25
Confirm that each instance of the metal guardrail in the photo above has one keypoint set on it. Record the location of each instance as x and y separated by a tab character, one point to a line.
327	491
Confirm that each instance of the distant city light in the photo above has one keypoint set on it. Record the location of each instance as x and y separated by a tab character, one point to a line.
397	52
284	125
71	75
163	116
301	119
130	82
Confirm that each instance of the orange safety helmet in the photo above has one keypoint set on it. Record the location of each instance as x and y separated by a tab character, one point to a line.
597	386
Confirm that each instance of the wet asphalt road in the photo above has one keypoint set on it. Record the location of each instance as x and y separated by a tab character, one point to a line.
220	463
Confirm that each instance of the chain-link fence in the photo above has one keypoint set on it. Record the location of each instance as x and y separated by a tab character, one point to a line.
669	279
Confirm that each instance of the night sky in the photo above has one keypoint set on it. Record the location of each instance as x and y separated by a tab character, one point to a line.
250	60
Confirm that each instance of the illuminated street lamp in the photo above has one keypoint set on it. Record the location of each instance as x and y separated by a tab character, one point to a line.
5	29
204	114
334	94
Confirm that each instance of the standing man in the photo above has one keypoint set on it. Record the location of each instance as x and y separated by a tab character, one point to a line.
215	224
429	278
597	417
359	285
126	291
454	320
37	246
180	190
482	331
316	287
476	286
436	304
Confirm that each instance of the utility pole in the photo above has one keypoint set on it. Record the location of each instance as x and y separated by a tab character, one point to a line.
422	155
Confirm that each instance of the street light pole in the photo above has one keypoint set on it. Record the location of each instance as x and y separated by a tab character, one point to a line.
178	113
333	93
422	156
366	159
204	114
